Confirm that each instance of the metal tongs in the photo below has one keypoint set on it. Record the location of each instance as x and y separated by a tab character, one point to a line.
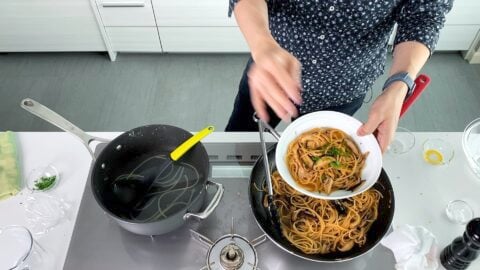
272	208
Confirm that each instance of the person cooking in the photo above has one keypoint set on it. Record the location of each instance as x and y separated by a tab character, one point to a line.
311	55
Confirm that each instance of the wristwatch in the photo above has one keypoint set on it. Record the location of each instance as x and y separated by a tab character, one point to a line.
403	77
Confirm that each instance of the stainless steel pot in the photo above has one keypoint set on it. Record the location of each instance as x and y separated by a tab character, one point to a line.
164	208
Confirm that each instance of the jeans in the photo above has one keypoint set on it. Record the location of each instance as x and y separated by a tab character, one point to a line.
241	118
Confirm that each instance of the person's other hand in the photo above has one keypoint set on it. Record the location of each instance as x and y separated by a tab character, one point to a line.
384	115
274	80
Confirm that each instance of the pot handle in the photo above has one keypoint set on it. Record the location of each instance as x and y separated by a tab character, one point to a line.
211	206
54	118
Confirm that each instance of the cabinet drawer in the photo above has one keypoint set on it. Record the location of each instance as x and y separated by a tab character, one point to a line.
134	39
192	13
202	39
457	37
48	25
126	12
464	12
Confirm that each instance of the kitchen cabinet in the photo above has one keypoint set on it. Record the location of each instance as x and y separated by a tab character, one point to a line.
464	12
134	39
123	13
457	37
195	13
462	24
130	25
197	26
182	26
49	25
203	26
202	39
161	26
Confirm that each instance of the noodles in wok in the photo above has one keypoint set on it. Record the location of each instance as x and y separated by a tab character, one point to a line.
315	226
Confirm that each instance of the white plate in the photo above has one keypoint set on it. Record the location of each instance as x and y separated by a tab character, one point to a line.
330	119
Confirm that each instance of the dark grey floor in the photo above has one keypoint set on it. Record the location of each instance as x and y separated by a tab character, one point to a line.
188	91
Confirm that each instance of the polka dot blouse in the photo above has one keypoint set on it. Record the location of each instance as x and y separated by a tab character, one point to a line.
342	44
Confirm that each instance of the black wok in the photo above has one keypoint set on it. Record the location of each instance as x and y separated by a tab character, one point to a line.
378	230
179	191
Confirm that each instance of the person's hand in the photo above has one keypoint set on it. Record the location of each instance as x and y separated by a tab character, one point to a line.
274	80
384	115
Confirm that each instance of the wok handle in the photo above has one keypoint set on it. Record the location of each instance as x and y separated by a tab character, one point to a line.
52	117
211	206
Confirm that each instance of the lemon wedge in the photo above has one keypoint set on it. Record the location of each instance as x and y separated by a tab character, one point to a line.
433	156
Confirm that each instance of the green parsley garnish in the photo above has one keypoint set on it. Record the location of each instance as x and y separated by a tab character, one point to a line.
315	159
335	164
334	151
324	147
44	182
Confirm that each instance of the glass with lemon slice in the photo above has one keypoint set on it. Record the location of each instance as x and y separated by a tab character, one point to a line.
437	152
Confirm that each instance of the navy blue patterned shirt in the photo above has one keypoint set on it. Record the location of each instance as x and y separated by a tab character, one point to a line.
342	44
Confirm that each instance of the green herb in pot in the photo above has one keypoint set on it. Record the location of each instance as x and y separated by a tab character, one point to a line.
45	182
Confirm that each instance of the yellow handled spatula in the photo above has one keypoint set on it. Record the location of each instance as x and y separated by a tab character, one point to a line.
185	146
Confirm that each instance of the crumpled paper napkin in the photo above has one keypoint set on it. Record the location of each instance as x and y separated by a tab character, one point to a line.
414	248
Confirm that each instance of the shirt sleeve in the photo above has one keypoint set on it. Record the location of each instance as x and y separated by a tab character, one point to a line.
231	6
421	21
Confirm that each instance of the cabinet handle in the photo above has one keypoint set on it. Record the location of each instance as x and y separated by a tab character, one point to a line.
123	4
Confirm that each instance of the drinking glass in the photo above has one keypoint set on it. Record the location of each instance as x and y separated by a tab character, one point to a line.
19	251
437	152
471	145
403	141
459	211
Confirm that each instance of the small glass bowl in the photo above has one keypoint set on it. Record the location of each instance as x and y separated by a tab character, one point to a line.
36	174
16	243
459	211
20	251
471	145
437	152
403	141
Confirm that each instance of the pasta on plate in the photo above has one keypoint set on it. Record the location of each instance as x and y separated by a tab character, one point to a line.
325	160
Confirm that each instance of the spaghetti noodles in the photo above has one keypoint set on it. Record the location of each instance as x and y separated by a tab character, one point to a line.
325	160
315	226
171	190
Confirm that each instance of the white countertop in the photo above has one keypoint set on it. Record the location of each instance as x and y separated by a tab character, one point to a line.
421	191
